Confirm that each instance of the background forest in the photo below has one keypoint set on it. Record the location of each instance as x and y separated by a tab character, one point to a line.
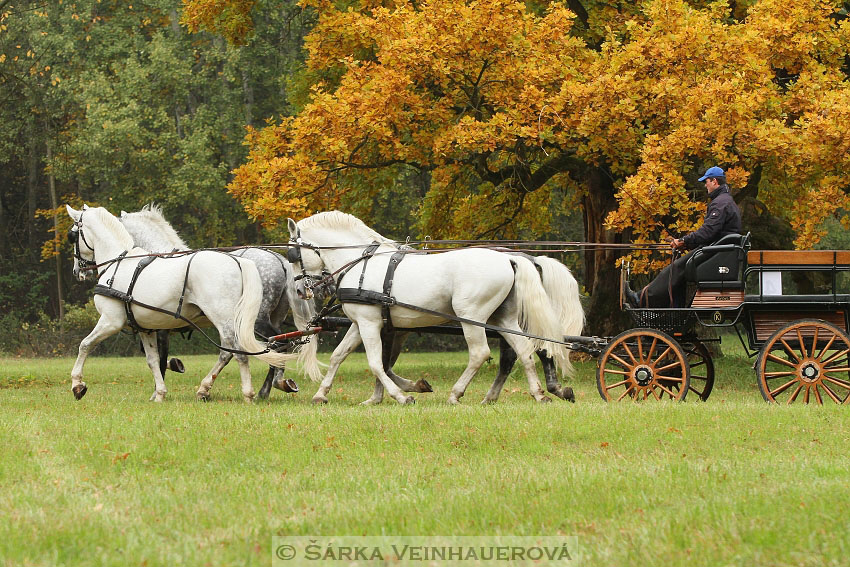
575	120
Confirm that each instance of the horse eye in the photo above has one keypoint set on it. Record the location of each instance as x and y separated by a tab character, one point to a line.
73	235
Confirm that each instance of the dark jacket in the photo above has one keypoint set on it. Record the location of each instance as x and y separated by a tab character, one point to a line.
722	217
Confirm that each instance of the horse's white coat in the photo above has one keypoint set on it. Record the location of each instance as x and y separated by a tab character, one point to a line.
151	231
477	284
230	301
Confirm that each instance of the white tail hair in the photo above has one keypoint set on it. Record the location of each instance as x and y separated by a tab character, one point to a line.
562	289
246	315
302	313
535	312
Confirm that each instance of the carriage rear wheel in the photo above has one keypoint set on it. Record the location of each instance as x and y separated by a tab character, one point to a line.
805	361
702	368
643	364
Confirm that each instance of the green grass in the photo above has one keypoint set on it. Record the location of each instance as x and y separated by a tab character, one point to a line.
116	480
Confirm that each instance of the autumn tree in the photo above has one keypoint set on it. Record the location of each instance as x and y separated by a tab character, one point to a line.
500	105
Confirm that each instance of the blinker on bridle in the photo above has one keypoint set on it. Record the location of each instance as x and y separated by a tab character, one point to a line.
74	236
293	255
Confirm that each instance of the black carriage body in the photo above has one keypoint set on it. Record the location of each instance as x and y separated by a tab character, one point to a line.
789	307
767	295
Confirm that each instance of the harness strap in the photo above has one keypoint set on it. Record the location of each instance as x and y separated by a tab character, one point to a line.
131	319
395	260
117	264
185	283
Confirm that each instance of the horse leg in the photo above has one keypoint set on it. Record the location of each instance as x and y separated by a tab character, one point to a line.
162	348
479	352
106	327
519	344
507	359
371	335
346	346
421	385
203	393
265	328
553	386
152	355
388	348
390	358
245	375
266	388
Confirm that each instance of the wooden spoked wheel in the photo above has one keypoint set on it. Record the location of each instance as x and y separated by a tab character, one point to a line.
806	361
643	364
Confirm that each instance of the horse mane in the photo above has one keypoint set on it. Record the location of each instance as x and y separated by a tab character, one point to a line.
331	220
113	225
151	214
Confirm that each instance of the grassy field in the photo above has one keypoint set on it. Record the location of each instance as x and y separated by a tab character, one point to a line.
117	480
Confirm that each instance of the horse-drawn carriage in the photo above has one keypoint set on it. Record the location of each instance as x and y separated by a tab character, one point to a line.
797	325
788	308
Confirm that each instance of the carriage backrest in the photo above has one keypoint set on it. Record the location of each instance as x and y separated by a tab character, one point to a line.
720	265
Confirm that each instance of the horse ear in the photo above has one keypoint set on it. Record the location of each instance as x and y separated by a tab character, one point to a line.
74	214
293	229
123	213
85	207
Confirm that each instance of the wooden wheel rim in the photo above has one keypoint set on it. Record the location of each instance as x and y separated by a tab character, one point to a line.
806	361
643	364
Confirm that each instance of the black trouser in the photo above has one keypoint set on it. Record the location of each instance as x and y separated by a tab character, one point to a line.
670	282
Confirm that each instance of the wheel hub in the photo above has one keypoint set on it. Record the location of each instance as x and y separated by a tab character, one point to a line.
643	375
810	371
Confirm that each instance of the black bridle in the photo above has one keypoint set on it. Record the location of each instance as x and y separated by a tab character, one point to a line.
75	236
293	255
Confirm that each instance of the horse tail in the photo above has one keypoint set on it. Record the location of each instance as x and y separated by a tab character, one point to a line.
245	316
536	316
562	289
302	312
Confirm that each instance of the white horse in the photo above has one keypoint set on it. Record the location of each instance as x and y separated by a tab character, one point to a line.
563	293
152	232
230	300
476	285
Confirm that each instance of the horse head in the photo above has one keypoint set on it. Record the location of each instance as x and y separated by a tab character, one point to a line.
95	228
83	250
306	262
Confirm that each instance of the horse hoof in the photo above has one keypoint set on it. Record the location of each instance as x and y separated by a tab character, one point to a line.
79	391
369	402
320	400
453	400
409	401
203	397
568	394
545	400
487	402
176	365
423	387
287	385
264	392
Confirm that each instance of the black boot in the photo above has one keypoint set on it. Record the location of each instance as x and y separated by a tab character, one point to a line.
632	298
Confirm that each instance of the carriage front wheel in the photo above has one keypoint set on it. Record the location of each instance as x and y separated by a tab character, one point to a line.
805	361
643	364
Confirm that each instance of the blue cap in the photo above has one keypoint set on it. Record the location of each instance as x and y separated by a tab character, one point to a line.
713	172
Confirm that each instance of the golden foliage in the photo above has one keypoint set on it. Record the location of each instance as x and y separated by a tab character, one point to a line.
499	102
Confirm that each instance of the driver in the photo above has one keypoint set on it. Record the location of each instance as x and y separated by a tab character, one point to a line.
721	218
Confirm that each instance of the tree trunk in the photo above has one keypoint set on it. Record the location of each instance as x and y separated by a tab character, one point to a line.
602	278
32	189
248	96
4	228
54	204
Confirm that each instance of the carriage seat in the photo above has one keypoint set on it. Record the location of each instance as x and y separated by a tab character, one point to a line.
720	265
